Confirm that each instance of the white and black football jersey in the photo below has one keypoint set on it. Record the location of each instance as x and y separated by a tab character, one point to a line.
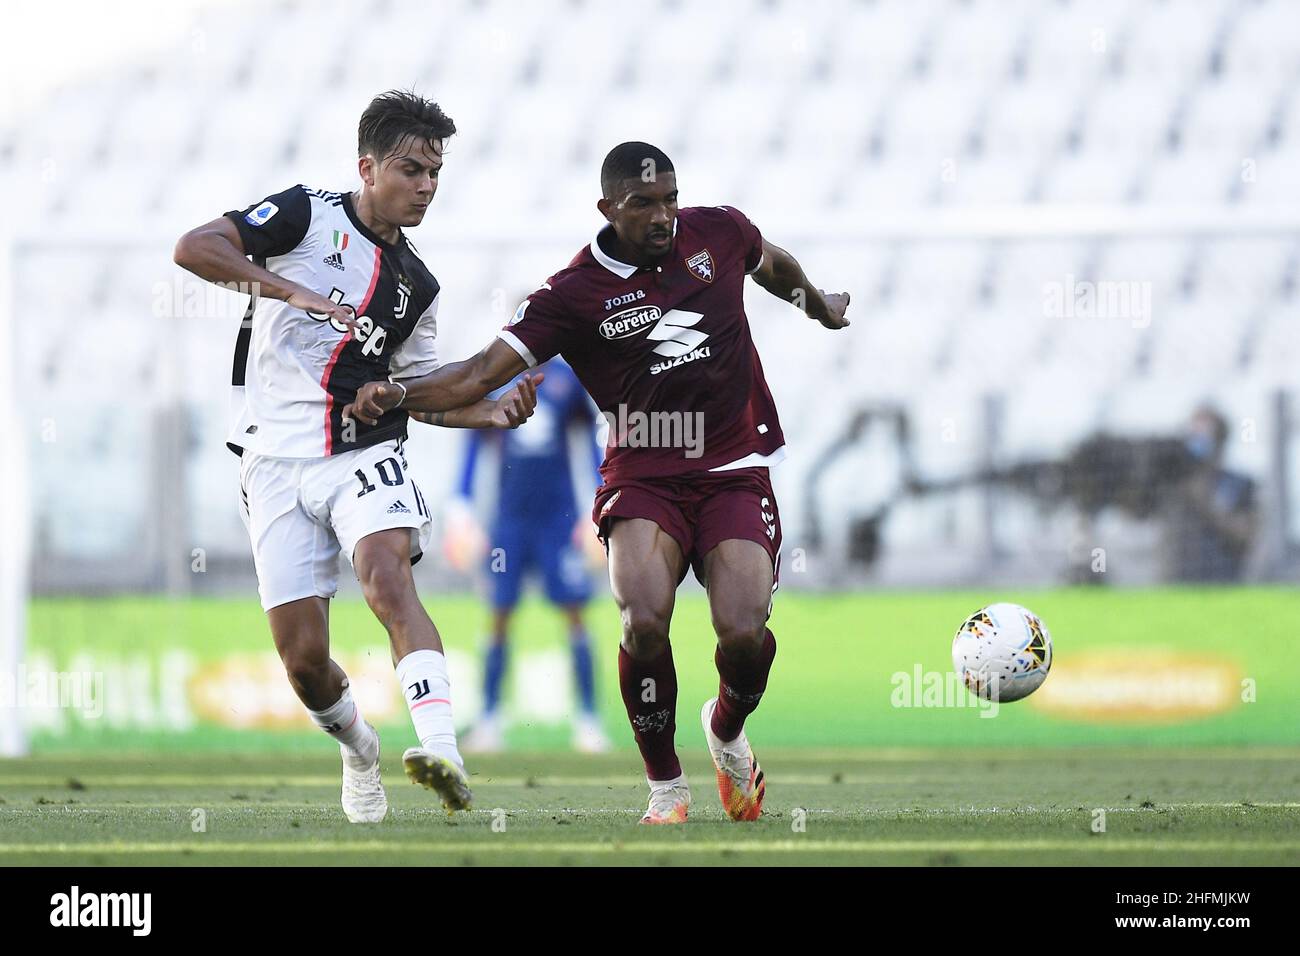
295	371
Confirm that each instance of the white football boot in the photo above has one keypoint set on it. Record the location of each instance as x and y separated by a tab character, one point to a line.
740	780
364	800
669	801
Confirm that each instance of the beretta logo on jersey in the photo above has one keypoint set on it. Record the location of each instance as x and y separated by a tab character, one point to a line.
629	322
262	213
702	265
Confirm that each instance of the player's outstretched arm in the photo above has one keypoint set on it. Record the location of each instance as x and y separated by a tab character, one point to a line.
451	387
215	251
509	411
781	275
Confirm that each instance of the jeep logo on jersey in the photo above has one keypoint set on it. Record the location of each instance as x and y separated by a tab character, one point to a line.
372	337
702	265
629	322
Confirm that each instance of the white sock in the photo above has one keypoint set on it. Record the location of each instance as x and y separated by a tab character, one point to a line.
678	781
343	722
423	677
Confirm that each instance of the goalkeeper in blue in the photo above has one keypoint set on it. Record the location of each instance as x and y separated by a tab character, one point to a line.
535	528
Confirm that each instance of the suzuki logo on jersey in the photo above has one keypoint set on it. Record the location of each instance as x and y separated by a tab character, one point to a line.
681	360
629	322
675	334
372	337
702	265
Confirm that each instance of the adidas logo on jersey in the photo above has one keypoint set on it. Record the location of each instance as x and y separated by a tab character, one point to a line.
397	508
335	260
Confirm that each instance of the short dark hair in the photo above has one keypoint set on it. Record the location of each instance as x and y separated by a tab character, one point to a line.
632	161
398	115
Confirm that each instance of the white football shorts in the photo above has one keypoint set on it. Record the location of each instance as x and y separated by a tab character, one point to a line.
301	512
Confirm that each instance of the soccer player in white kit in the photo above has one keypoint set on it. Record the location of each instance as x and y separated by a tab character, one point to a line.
340	299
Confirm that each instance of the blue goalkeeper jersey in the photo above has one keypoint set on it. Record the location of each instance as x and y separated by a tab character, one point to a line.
535	478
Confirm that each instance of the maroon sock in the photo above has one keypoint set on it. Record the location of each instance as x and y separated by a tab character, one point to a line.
650	696
740	688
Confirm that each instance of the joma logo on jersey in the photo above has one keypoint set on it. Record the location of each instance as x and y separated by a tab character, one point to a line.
624	299
372	337
629	322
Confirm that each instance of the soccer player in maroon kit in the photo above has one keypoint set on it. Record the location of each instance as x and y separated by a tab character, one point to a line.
651	317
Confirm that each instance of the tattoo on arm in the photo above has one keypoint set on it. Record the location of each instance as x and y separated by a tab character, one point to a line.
429	418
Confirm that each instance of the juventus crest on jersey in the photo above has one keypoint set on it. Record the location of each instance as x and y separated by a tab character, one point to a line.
295	371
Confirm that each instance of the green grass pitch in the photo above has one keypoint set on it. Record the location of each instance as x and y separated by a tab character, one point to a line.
897	807
852	779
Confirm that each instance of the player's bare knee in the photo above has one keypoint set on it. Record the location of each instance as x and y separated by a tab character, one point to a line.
740	633
386	585
388	599
307	669
645	631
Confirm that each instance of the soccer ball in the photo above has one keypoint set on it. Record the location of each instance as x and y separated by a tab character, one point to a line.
1002	652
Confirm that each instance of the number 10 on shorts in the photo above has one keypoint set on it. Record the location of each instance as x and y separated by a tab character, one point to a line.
390	473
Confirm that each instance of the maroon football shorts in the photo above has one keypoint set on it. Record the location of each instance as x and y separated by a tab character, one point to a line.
699	510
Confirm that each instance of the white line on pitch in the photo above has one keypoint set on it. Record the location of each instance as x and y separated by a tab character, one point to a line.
489	845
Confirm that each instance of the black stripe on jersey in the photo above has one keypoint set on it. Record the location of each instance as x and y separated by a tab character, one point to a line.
239	371
243	340
353	368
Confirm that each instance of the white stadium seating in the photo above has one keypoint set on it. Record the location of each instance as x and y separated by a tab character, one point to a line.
822	120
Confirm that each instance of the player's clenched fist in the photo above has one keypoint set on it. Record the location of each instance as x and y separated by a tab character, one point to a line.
373	400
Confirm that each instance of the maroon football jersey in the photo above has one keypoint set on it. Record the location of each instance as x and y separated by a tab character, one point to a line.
664	350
